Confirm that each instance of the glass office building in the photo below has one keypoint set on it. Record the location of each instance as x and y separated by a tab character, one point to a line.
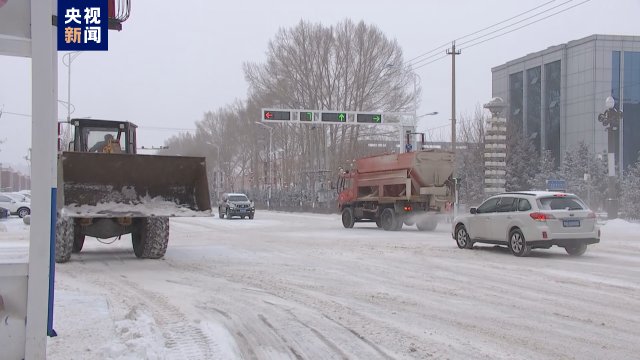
556	94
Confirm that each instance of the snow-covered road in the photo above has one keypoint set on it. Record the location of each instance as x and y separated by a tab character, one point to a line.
299	286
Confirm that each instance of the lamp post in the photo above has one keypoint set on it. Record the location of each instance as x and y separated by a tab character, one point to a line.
218	178
610	119
405	130
415	130
70	56
268	161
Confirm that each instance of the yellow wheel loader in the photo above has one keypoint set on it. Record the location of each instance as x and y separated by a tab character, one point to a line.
106	190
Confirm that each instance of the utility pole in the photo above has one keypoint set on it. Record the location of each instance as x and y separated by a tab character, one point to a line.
453	54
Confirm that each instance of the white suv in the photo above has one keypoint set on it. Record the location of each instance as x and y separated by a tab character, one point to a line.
15	206
528	220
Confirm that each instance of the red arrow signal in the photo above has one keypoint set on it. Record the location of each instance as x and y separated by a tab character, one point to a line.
268	115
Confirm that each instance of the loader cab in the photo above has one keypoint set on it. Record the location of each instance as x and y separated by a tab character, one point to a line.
91	135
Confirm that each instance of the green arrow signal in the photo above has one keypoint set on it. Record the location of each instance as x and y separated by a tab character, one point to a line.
376	118
341	116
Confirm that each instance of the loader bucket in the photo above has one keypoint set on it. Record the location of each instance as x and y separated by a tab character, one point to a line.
100	184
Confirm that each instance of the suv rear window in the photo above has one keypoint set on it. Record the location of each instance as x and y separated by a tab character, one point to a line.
561	203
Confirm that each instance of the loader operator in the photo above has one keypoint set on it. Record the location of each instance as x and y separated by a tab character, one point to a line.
109	145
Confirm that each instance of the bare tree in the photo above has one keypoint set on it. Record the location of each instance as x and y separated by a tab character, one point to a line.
343	67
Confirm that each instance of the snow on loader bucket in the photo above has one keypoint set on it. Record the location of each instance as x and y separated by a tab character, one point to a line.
133	185
109	195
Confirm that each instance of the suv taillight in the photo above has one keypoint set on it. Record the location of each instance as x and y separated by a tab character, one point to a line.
591	215
537	216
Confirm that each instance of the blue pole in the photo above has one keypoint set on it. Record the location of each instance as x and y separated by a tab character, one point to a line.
52	263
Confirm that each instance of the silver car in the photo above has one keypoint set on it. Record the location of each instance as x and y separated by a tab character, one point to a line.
529	220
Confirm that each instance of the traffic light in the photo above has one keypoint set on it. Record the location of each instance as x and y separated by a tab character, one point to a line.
335	117
306	116
276	115
369	118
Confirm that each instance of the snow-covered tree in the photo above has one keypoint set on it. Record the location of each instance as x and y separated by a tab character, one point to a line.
522	159
546	170
630	199
579	161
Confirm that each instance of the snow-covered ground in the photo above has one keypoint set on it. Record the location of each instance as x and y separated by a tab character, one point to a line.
300	286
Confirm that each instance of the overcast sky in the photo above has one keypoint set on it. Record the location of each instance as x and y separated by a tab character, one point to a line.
175	60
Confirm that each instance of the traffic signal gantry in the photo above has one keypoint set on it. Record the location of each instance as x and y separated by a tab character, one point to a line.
323	117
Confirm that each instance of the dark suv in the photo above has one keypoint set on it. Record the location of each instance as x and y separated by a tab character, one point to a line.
236	204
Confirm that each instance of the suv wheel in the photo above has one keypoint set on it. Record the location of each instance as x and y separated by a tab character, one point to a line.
576	250
462	238
518	244
22	212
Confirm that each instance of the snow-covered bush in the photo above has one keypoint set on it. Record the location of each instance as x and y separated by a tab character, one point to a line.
630	199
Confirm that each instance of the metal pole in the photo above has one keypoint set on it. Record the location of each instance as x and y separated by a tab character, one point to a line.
453	54
69	88
270	166
43	177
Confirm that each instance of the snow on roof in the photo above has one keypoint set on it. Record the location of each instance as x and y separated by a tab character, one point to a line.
537	193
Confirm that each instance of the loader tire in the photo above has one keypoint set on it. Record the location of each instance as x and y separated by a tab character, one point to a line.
78	239
64	238
150	238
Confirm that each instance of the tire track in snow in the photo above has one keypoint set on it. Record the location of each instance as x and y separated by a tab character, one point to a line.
304	298
183	340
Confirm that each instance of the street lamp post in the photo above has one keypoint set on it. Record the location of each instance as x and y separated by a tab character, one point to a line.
70	56
218	178
269	161
404	129
415	127
611	119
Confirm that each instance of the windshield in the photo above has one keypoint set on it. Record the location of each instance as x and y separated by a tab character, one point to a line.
561	203
97	138
238	198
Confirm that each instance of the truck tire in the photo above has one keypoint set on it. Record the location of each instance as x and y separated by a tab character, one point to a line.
150	238
389	220
399	224
64	238
428	224
78	239
347	218
378	222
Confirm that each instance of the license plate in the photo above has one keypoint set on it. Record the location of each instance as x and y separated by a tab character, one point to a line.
243	210
571	223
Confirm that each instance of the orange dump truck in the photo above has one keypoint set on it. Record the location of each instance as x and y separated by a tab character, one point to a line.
396	189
